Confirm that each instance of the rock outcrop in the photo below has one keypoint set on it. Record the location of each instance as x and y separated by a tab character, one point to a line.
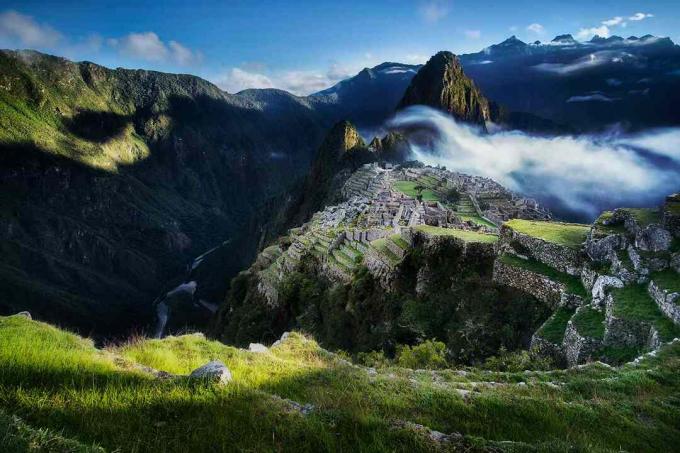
443	85
215	371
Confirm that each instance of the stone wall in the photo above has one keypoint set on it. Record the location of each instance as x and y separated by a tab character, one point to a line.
626	332
543	348
578	348
539	286
669	303
564	259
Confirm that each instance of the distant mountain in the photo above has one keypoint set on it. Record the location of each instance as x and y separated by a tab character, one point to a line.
368	98
442	84
588	85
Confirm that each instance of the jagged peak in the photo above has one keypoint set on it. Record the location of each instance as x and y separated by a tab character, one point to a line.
566	38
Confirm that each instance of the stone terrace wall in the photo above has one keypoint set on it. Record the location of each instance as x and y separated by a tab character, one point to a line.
561	258
668	302
539	286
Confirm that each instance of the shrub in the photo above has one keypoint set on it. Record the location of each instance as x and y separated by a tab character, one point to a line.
517	361
375	359
452	195
428	354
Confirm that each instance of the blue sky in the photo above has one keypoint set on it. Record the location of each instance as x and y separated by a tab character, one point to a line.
305	46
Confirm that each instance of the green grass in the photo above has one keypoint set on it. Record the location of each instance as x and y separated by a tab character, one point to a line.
476	220
67	393
408	188
589	322
619	354
554	328
634	303
645	216
467	236
572	283
668	280
380	246
571	235
397	239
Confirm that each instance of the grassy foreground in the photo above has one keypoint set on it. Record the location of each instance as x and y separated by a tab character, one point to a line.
58	391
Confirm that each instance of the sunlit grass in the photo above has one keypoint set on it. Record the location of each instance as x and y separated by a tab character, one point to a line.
571	235
59	382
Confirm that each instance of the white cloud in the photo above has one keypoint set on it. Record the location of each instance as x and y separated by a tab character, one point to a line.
593	60
585	173
148	46
598	97
297	82
613	21
587	33
536	28
237	79
640	16
415	58
434	10
17	28
472	34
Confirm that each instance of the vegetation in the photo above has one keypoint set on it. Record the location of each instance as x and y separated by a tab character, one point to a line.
428	354
602	229
465	235
634	303
571	235
477	220
572	283
554	328
645	216
410	188
668	280
59	383
589	322
517	361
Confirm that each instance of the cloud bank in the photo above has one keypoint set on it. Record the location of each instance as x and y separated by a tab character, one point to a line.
576	176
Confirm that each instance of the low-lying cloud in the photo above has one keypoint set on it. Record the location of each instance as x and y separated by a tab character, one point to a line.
576	176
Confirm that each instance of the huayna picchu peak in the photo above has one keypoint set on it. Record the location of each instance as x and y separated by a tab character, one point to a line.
316	235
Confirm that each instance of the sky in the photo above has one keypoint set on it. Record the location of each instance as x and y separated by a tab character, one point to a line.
305	46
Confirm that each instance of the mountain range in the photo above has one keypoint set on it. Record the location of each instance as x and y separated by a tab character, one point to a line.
114	181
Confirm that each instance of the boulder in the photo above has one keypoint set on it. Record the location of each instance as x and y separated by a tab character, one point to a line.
653	239
214	371
25	314
258	347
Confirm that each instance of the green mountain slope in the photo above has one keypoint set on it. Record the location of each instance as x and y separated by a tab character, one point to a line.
113	180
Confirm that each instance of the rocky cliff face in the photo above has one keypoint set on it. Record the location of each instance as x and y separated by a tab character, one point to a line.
112	181
442	84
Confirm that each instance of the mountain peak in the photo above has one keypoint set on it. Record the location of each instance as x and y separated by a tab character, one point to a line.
442	84
564	39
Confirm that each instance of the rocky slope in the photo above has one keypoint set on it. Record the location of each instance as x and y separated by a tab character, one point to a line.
112	181
416	253
442	84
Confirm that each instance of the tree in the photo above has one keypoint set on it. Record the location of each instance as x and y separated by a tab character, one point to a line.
452	195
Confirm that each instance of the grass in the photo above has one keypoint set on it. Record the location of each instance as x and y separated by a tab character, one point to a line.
572	283
589	322
645	216
476	220
668	280
603	229
571	235
69	394
465	235
381	246
634	303
554	328
397	239
408	188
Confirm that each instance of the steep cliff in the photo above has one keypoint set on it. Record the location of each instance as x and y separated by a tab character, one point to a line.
442	84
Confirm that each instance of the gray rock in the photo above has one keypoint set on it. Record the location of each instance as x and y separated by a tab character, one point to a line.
600	287
675	262
215	371
258	347
653	238
25	314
